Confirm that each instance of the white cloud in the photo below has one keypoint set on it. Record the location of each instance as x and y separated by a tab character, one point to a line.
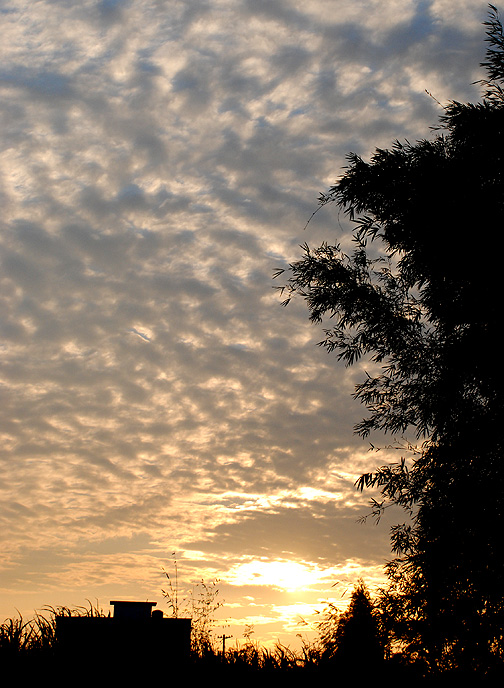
159	161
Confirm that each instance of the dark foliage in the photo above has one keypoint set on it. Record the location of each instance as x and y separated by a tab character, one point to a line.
420	298
354	638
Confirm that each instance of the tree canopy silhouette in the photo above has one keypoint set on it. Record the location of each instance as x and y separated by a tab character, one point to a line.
353	638
420	298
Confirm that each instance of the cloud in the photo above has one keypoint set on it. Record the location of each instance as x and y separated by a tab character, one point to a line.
160	160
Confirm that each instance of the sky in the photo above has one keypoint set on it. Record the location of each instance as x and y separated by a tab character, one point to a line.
159	407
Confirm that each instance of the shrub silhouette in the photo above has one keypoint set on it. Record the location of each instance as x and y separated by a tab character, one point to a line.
353	640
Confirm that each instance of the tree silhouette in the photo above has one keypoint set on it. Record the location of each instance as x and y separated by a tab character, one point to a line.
420	298
357	637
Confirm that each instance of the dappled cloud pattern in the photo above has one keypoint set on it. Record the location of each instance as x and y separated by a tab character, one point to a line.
159	161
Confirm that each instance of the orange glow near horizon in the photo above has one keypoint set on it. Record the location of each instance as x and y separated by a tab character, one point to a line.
283	574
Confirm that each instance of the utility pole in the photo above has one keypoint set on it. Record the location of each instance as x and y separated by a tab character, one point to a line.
224	638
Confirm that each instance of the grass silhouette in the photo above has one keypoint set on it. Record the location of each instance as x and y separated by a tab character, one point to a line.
344	651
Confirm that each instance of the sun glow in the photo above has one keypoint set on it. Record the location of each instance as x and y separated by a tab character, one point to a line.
286	575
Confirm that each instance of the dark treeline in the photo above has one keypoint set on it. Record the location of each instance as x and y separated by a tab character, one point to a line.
351	646
355	646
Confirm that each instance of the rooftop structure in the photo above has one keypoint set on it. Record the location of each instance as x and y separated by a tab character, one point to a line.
134	635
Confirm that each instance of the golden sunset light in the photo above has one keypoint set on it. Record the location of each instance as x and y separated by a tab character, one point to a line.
286	575
164	420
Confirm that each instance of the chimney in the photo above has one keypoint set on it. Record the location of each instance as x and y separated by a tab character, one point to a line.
132	611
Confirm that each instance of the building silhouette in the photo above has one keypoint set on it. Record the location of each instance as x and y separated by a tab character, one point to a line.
133	636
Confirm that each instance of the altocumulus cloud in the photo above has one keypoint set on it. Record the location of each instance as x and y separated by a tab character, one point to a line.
159	161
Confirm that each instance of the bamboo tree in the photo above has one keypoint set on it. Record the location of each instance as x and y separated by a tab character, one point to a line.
419	298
